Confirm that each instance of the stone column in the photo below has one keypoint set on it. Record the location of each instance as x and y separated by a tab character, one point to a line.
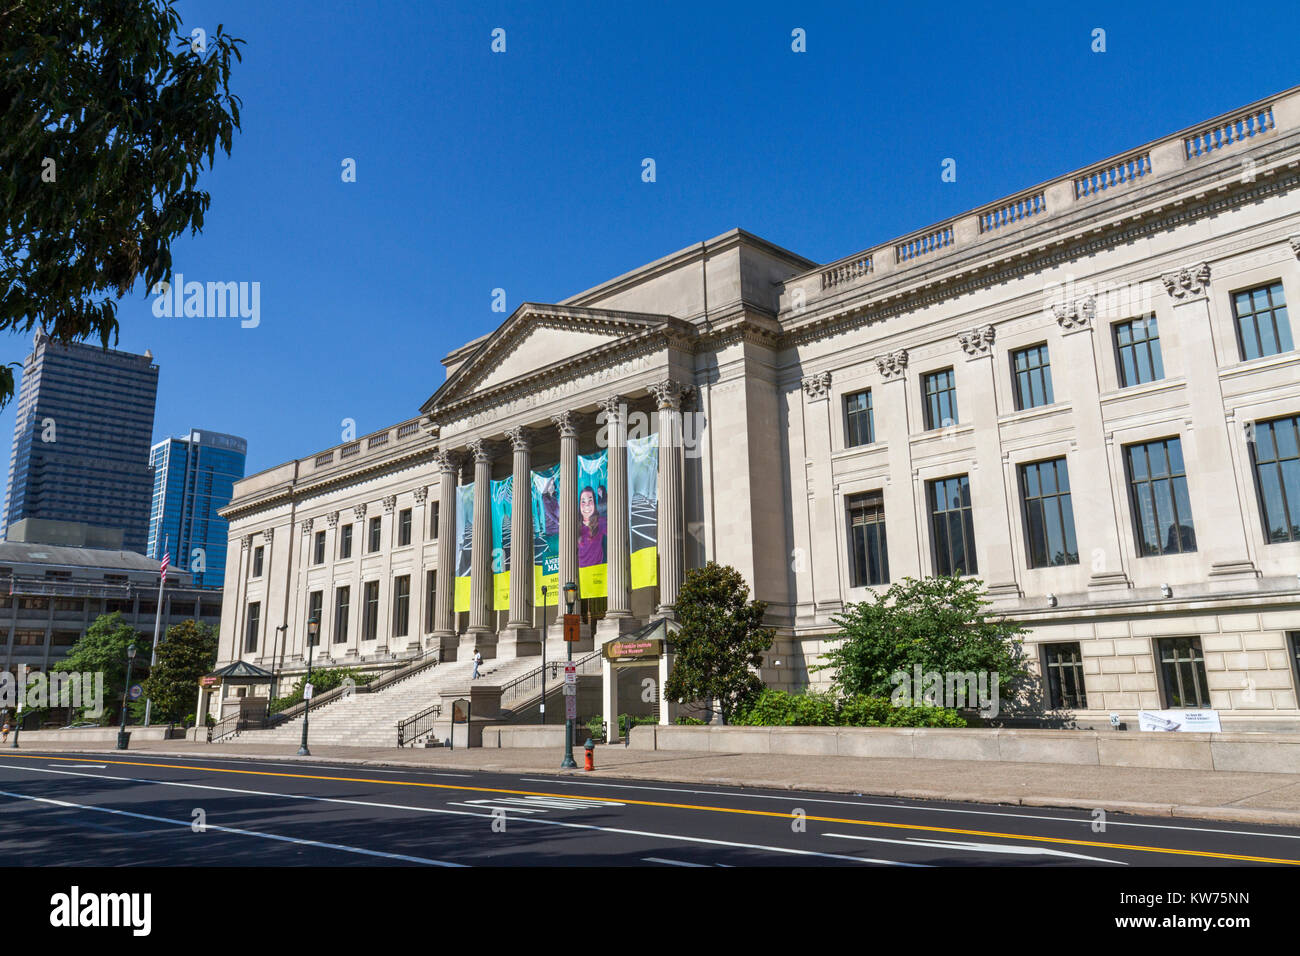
668	396
567	424
1217	513
481	630
444	602
618	615
520	638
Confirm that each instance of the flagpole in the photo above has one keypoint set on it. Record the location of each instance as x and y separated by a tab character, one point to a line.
157	622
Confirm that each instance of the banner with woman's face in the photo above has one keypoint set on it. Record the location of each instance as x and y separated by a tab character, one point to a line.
546	535
593	526
464	543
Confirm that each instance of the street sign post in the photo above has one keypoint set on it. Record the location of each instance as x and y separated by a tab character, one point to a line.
571	707
571	673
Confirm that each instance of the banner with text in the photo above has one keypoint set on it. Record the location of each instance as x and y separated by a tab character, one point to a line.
643	509
546	535
502	502
592	492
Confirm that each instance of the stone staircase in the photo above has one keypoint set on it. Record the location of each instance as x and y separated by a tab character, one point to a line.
370	720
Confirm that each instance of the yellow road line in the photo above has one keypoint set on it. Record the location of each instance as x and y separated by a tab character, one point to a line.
684	806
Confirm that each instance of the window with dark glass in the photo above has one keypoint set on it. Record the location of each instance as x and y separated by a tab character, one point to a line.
370	612
404	527
376	533
1137	352
1063	665
401	605
859	423
341	598
1182	670
318	553
1049	517
430	590
315	602
1162	511
257	562
345	541
1033	377
1293	639
952	525
1276	451
433	521
868	554
940	393
254	622
1262	324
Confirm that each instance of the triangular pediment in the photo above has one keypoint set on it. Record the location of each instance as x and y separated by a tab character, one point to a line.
537	338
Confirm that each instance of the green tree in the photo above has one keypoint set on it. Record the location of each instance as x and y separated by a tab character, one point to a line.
188	652
108	113
103	648
721	641
940	623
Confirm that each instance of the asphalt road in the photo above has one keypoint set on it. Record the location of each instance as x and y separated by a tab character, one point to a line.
122	810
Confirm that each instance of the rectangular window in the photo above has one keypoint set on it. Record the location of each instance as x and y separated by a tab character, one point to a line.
433	522
1276	451
1032	377
1063	665
1162	512
376	535
345	542
341	597
1137	352
318	555
1182	669
1293	638
1049	517
859	420
257	562
315	603
404	528
953	526
940	398
430	590
1262	324
370	612
401	604
254	622
868	555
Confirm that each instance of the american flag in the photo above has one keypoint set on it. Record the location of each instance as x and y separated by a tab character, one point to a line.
167	559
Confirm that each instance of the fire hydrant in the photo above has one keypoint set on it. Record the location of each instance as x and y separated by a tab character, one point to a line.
590	761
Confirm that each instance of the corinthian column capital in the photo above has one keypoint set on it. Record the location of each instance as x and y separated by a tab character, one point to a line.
670	393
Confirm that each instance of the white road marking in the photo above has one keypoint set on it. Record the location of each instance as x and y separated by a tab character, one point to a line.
465	813
656	859
97	766
977	847
798	795
235	830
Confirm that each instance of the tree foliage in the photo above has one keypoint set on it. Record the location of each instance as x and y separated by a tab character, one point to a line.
188	652
721	641
103	648
108	114
940	623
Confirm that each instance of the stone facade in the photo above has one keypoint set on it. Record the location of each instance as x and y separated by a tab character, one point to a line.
1123	282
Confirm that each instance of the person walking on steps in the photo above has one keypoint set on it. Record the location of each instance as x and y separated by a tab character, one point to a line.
478	659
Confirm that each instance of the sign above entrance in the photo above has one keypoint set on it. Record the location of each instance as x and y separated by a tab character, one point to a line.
622	650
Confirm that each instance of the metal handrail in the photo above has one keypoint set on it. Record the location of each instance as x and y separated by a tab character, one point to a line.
429	658
533	676
413	728
226	727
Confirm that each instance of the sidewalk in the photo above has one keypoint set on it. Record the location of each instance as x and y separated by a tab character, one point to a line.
1255	798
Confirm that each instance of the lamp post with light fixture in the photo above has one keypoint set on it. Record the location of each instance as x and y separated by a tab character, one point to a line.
122	735
570	596
313	628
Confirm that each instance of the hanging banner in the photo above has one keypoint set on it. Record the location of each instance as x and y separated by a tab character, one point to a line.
643	509
546	536
502	502
592	492
464	543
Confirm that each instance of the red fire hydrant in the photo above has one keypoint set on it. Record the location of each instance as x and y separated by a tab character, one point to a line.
590	761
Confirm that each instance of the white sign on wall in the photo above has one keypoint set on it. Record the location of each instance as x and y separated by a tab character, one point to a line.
1185	721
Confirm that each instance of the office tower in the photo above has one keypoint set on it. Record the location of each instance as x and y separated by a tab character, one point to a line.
194	477
81	439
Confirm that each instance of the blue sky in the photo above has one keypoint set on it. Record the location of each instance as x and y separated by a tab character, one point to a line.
522	170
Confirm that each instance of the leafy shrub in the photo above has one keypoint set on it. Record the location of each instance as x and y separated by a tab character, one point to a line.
689	722
777	708
322	679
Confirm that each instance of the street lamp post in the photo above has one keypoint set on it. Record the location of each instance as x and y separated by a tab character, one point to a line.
122	736
570	596
544	589
313	628
18	712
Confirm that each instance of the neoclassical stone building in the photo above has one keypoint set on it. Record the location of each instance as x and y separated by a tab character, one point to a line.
1087	394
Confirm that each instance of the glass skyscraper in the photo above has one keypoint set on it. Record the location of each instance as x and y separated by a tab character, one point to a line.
193	477
81	439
